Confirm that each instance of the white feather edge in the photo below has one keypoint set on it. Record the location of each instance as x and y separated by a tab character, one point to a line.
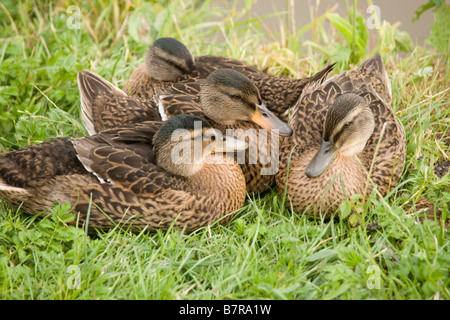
161	108
86	162
388	83
86	116
8	188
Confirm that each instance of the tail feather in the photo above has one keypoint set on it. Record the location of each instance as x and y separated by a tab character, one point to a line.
320	76
310	84
375	65
91	85
11	190
12	195
318	79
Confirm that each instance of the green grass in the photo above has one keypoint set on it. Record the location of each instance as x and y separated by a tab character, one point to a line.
396	248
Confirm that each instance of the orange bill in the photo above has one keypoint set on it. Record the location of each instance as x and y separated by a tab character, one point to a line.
266	119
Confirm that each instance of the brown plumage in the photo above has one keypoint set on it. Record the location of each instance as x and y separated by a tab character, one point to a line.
127	176
227	99
168	61
104	106
337	125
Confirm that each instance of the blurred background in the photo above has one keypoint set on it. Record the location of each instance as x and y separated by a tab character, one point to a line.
393	11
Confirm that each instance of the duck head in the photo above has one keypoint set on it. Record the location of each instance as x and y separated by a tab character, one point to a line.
168	59
228	96
183	144
349	124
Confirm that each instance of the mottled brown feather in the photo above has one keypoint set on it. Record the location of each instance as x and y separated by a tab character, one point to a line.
184	98
325	192
104	106
278	93
133	190
254	160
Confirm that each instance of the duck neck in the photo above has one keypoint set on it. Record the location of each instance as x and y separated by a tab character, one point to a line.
223	126
220	177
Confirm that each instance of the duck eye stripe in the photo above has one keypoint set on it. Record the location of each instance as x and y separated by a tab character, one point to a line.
176	66
338	134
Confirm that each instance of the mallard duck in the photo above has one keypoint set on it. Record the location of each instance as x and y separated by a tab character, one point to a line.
344	132
147	175
227	99
166	61
169	61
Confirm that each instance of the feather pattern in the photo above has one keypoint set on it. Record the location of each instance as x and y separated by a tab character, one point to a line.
186	98
278	93
114	175
105	106
382	158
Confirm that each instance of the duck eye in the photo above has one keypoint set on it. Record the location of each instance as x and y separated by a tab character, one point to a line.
236	96
346	124
213	138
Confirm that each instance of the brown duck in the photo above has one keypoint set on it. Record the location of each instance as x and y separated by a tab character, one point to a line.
346	141
129	176
169	61
227	99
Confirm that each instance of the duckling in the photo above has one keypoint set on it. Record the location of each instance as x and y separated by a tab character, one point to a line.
148	175
169	61
227	99
346	141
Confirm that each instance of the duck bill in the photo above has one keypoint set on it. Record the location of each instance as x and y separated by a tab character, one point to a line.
229	144
266	119
321	160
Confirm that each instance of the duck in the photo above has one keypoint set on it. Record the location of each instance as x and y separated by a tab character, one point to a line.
165	62
346	141
227	99
169	61
140	176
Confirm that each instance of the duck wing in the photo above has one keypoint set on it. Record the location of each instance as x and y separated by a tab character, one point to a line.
105	106
180	98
